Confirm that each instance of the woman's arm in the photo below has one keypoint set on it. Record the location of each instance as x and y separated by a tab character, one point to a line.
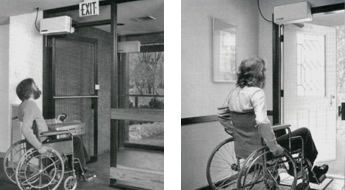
264	125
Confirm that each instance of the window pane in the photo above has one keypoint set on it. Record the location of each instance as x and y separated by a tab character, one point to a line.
145	80
145	133
141	145
310	63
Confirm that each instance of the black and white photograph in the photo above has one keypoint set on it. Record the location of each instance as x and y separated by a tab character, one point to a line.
82	94
172	94
262	94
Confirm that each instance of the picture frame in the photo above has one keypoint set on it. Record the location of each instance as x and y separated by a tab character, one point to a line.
224	40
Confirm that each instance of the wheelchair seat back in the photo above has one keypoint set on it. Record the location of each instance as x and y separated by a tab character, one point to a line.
246	135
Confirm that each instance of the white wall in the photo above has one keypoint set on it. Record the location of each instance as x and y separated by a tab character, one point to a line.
4	83
21	56
198	142
200	96
26	53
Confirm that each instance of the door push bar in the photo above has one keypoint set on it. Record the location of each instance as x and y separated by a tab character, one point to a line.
73	97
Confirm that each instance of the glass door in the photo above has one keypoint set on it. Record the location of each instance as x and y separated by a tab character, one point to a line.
74	79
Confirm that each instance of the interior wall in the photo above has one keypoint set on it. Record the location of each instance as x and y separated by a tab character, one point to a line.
200	95
196	147
20	58
5	134
25	53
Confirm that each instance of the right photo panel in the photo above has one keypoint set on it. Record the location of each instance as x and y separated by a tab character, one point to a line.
263	94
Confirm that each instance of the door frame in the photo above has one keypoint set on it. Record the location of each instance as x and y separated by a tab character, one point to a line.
115	115
277	59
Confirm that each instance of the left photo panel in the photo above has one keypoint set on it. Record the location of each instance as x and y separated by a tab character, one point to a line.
82	94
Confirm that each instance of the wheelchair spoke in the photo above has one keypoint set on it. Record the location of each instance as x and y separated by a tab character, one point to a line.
49	177
223	158
13	175
44	169
271	176
222	167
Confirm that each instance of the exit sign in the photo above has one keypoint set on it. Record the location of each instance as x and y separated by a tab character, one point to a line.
89	8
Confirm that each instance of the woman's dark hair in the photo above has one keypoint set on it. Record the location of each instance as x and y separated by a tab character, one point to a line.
24	89
251	73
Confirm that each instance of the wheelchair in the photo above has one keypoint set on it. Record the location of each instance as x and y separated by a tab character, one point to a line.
261	169
29	169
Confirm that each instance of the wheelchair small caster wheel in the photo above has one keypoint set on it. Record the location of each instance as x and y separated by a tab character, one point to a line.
70	183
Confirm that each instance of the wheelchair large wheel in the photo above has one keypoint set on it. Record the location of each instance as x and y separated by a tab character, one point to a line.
222	167
262	170
40	171
12	158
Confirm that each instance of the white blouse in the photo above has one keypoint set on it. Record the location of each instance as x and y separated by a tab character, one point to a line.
247	99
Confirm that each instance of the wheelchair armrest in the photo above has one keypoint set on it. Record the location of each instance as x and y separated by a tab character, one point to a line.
280	127
54	133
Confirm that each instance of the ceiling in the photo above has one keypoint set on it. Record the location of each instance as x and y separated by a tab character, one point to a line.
127	13
17	7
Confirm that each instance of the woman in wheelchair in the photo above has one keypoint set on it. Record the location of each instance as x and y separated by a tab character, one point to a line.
33	123
248	98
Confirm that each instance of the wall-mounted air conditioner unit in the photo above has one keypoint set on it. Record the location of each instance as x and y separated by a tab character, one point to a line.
56	25
129	47
292	13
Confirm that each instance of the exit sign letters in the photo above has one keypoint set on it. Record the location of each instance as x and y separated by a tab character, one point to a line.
89	8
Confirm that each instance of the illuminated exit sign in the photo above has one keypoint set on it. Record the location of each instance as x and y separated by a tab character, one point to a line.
89	8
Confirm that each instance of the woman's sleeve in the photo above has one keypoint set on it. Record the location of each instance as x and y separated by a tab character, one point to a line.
262	121
259	104
28	120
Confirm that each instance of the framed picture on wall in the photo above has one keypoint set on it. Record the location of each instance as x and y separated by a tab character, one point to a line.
223	51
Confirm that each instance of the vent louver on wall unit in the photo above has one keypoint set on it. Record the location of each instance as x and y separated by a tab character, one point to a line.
56	25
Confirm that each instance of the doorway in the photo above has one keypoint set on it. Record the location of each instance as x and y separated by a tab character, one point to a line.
311	56
310	84
74	76
77	75
127	91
